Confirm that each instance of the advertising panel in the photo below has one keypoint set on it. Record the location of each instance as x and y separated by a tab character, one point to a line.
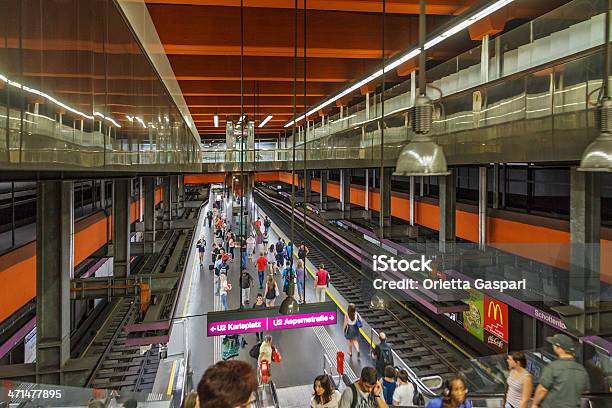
496	324
473	320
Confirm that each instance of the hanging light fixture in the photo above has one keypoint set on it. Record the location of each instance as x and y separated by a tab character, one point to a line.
597	157
216	120
422	156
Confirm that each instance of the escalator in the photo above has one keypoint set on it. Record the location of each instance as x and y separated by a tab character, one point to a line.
266	396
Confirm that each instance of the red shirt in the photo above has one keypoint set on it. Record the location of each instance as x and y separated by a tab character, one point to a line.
321	277
258	224
261	263
225	257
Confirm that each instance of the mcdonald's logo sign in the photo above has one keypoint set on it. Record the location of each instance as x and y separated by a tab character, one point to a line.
496	318
495	310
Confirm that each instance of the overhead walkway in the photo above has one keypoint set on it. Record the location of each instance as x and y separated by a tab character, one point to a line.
528	95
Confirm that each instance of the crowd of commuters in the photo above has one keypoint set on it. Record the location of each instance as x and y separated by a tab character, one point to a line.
232	384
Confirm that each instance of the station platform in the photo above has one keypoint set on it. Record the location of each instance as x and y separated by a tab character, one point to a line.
306	352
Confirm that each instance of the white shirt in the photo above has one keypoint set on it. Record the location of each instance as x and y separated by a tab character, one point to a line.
403	395
335	401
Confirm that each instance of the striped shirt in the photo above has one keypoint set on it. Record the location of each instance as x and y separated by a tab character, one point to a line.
514	396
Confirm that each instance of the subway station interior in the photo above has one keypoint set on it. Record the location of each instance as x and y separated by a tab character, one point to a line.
200	201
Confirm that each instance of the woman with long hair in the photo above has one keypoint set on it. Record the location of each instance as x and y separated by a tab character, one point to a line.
454	395
271	291
352	320
325	395
228	384
519	383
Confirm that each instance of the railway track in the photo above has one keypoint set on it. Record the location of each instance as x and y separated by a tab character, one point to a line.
419	347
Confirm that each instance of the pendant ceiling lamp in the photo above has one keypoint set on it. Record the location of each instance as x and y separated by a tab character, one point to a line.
597	157
422	156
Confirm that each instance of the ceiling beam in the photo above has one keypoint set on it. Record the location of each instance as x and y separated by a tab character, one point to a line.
211	68
443	7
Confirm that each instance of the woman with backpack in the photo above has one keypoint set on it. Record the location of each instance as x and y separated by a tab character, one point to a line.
271	291
352	323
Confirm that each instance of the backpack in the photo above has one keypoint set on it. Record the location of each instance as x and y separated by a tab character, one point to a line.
386	354
267	223
254	352
301	253
417	397
279	247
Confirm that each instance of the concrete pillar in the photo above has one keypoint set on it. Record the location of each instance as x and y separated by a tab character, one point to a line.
448	205
484	59
323	187
411	200
149	213
103	193
496	185
385	196
307	185
482	207
174	195
422	187
367	107
54	269
167	203
367	189
122	193
585	224
345	180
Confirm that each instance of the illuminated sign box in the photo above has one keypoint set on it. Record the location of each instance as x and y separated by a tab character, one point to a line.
256	320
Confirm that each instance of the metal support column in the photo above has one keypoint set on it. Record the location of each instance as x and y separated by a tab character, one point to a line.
54	269
482	207
448	204
181	191
149	213
585	224
385	196
167	203
122	193
367	189
367	107
411	201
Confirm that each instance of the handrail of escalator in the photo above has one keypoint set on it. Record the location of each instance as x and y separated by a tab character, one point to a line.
274	395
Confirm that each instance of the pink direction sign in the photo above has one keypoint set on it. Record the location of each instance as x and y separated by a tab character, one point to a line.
301	320
237	326
277	322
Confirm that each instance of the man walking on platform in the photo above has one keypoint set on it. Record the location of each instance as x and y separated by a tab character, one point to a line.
563	381
246	281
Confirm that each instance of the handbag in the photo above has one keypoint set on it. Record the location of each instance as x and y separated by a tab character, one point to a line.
276	357
359	324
